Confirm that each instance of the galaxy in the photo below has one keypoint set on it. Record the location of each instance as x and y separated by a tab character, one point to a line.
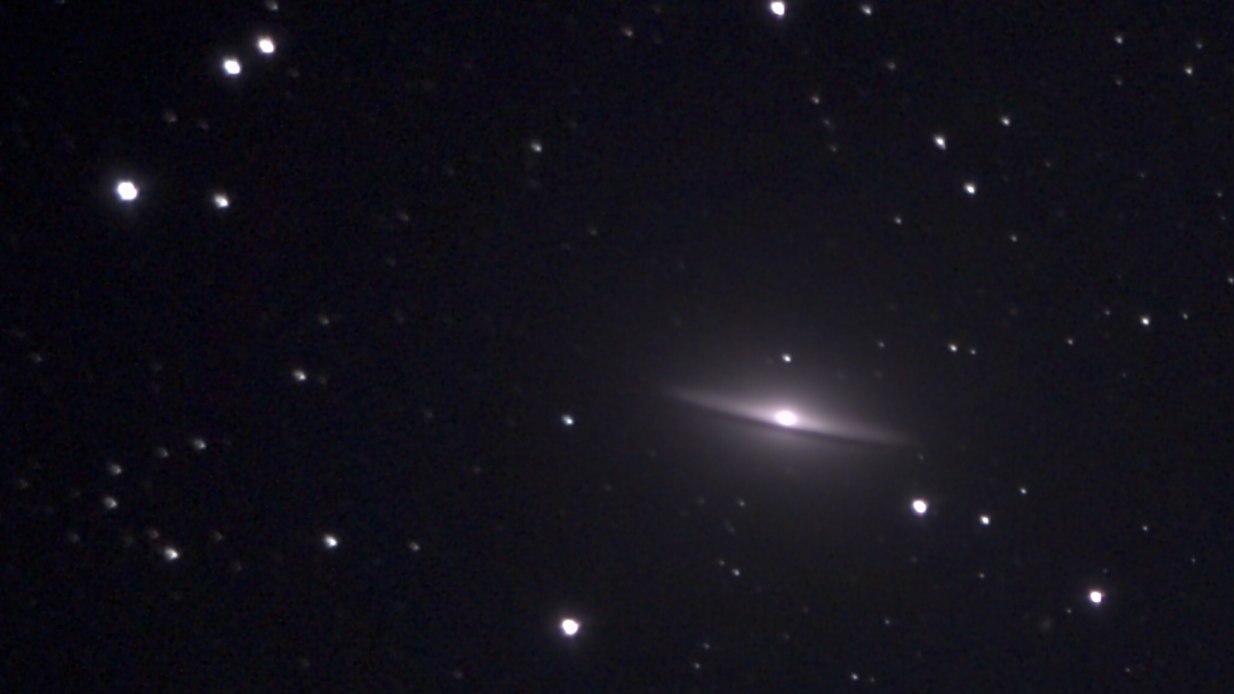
791	413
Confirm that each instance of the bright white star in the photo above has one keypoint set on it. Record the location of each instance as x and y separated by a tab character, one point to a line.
786	418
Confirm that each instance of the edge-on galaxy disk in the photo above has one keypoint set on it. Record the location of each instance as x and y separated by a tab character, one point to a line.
791	414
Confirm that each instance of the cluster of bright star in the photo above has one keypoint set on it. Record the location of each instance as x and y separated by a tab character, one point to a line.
128	190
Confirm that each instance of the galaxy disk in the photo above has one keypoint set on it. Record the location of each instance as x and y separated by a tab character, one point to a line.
793	413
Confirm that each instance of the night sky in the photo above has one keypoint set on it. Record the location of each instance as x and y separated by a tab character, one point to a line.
696	346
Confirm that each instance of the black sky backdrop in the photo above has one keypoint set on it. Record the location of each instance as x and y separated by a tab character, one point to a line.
405	403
